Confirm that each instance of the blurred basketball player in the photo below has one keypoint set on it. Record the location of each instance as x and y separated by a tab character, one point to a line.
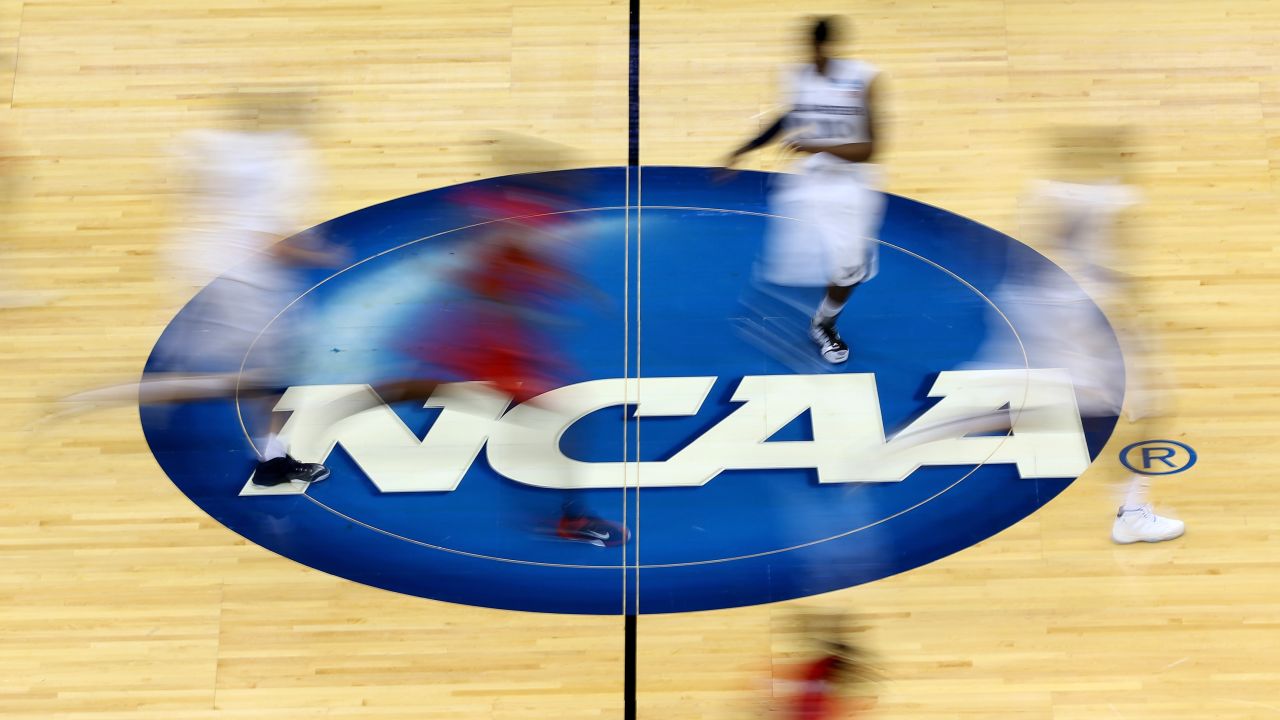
1075	217
833	197
835	681
241	187
1077	213
503	302
829	686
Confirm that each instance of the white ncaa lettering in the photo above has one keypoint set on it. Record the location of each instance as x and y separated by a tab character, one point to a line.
1046	438
848	443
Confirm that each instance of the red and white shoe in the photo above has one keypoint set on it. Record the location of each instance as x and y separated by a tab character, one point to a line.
592	530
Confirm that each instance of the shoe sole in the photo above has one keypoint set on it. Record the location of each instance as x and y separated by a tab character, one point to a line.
596	541
320	478
1129	540
584	541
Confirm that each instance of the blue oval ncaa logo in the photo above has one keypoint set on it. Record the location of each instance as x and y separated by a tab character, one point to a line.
738	468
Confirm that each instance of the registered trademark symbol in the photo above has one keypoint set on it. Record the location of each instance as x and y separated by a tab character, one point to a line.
1158	457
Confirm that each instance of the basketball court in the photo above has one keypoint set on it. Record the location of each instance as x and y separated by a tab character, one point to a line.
145	579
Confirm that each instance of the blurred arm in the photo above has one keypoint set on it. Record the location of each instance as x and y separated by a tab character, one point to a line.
760	140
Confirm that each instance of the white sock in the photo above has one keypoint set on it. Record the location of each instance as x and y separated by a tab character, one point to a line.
827	311
271	446
1135	495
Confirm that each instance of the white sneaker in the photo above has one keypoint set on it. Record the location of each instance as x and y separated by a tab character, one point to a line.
830	345
1144	525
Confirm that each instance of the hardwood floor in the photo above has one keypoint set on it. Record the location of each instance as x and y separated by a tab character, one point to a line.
120	599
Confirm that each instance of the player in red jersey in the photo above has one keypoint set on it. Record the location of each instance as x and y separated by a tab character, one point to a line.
832	686
837	679
500	313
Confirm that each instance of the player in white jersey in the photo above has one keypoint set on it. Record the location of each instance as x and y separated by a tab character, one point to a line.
833	199
1076	216
244	188
241	187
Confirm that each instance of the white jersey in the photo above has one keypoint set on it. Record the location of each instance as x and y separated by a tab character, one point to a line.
829	108
1083	218
244	193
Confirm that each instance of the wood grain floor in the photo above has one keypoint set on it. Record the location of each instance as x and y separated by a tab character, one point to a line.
120	599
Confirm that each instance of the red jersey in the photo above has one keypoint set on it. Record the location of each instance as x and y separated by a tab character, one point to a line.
497	336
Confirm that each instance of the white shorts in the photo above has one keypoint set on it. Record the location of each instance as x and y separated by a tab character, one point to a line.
231	316
1057	326
827	231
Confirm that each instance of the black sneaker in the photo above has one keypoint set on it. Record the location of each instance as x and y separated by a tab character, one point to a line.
281	470
830	345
